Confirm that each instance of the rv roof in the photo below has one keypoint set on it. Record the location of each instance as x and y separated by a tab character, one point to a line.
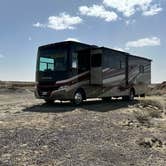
126	53
63	42
92	46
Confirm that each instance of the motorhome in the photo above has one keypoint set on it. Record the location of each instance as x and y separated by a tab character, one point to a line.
76	71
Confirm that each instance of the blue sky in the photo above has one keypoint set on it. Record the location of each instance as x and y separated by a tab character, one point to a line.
135	26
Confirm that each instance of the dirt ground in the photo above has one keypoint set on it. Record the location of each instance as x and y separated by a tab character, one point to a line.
117	133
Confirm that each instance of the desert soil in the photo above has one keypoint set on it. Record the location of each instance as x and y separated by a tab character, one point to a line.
117	133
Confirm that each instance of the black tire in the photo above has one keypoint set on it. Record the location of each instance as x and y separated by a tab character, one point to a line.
106	99
49	101
142	95
78	98
131	95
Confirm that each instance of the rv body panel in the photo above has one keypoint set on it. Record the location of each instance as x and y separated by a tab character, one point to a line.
139	74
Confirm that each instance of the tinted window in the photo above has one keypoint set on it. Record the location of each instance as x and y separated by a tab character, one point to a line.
54	59
96	60
141	69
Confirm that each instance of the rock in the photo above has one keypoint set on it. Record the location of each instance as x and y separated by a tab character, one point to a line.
150	142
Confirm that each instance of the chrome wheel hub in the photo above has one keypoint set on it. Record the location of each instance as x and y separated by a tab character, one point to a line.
78	98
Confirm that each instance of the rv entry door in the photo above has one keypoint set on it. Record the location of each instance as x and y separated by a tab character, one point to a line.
96	67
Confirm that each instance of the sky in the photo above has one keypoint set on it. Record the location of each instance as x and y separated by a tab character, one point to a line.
134	26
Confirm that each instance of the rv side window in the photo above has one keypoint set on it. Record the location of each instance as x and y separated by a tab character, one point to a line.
74	61
96	60
141	69
122	65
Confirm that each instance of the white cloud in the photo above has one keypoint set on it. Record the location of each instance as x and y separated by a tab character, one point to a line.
130	7
153	41
61	22
39	25
72	39
98	11
119	49
155	9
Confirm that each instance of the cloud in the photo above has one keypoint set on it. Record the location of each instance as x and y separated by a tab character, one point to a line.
39	25
119	49
153	41
61	22
155	9
130	7
72	39
98	11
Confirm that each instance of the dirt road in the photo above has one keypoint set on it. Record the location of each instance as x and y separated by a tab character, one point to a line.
101	134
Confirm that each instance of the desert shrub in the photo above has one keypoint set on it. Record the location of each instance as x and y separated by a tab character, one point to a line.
142	117
154	113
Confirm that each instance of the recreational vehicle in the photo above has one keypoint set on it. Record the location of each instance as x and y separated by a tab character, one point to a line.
76	71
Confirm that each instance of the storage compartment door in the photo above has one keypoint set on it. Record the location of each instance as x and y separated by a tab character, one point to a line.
96	76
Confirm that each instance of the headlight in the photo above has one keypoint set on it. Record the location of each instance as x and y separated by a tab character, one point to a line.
63	87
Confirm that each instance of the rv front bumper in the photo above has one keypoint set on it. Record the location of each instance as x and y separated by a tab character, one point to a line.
60	94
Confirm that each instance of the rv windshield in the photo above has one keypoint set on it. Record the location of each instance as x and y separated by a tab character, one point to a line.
52	61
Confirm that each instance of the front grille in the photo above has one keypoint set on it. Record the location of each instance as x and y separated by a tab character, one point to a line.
46	83
46	90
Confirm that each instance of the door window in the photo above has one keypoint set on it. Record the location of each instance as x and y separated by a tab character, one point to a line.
96	60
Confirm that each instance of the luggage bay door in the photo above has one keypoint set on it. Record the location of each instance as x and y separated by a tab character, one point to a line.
96	76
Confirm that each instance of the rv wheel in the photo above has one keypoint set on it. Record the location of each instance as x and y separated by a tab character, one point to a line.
131	95
78	98
142	95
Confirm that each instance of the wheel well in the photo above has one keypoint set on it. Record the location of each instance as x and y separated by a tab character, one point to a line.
82	92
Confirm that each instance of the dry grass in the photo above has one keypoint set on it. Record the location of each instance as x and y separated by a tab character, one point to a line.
157	89
33	133
16	84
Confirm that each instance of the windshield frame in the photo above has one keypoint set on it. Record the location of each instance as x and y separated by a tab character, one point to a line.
53	53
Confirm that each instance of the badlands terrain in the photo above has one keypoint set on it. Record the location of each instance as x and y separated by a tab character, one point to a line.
117	133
